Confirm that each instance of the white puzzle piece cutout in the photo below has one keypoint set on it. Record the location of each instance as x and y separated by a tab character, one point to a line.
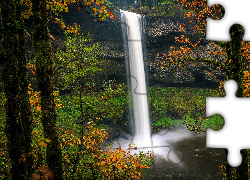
236	12
235	134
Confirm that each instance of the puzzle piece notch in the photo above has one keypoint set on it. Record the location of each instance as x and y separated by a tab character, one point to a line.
235	111
235	12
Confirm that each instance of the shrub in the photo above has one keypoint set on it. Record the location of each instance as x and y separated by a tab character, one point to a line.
87	160
81	159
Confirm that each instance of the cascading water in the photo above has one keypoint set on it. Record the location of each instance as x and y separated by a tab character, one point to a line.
159	143
133	38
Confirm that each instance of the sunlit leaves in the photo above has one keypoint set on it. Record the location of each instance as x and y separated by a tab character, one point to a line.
80	59
44	142
108	164
35	99
71	29
91	157
246	84
199	11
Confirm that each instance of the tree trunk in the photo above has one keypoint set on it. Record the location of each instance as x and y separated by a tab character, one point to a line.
25	109
44	73
236	72
13	127
235	68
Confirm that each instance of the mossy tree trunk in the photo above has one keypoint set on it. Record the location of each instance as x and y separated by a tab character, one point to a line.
13	128
235	70
25	108
235	65
44	73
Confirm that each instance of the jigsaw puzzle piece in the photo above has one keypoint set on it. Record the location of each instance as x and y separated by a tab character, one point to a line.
235	12
236	113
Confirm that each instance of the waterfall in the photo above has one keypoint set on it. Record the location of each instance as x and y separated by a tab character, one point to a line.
132	30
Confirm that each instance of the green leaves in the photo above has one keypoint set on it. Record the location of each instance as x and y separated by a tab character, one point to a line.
172	106
79	61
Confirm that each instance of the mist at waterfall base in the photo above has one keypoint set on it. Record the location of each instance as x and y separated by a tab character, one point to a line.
159	143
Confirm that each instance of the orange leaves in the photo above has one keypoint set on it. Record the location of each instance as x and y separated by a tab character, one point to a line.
117	164
182	39
71	29
94	9
189	14
45	171
181	28
57	20
200	11
121	164
30	66
100	10
52	37
55	5
245	51
36	96
246	84
27	12
175	55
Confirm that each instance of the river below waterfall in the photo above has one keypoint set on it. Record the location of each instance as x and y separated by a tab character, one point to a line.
180	154
198	163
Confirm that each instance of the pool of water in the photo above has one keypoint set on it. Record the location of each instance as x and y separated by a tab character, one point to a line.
180	154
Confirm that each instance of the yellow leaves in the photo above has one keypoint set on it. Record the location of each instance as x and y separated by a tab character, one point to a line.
44	142
63	25
47	140
246	84
38	108
22	159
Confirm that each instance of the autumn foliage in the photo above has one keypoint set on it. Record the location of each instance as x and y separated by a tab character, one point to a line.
215	52
91	161
54	7
81	160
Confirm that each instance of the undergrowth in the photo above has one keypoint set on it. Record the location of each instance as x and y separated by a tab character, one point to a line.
168	107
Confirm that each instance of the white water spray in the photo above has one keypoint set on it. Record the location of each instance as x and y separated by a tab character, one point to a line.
132	21
159	143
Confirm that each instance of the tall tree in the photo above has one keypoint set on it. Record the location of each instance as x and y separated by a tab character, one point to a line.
14	128
236	71
44	73
19	116
25	109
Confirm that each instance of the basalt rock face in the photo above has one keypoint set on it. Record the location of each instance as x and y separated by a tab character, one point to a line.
159	36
